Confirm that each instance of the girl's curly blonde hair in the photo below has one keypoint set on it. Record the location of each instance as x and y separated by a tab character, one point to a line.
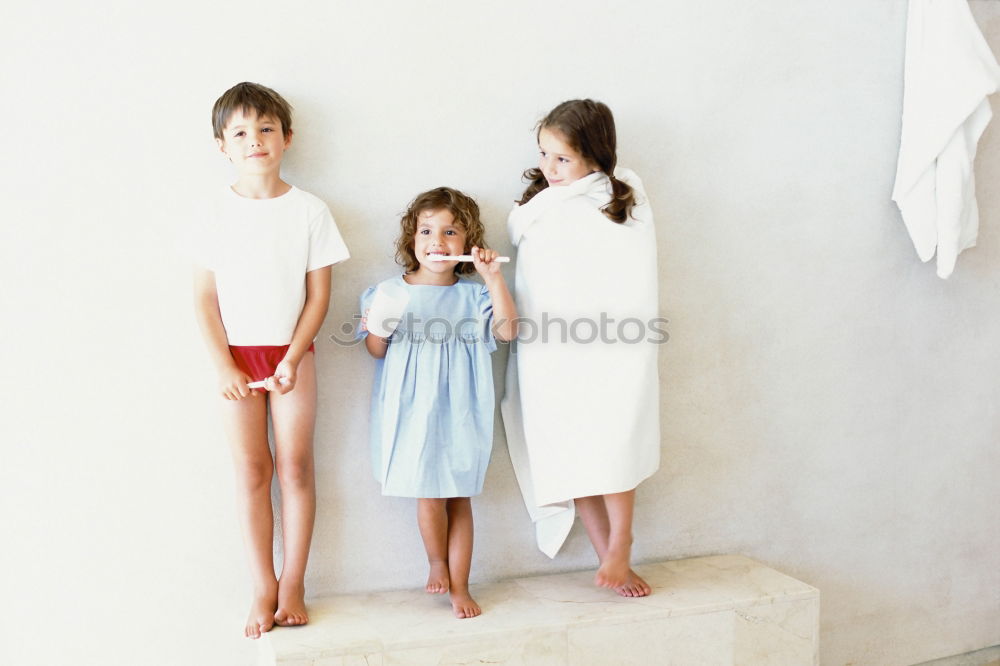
461	206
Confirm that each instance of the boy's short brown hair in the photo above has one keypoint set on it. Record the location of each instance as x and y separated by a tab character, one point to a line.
462	207
246	96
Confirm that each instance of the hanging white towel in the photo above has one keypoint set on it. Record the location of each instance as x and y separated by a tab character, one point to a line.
948	74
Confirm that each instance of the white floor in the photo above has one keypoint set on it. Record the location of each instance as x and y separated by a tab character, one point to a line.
718	610
987	657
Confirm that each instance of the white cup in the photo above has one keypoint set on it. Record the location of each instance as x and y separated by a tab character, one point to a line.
387	309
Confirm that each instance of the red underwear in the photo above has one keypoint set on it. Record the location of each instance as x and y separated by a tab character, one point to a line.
260	361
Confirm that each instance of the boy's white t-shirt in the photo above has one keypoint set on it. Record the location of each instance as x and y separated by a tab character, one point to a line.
260	251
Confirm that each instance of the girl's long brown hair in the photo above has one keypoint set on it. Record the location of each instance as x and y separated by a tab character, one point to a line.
589	128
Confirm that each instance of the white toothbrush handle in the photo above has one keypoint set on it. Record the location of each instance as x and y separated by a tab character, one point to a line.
260	384
467	257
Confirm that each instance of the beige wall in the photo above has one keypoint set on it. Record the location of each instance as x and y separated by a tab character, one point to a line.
830	407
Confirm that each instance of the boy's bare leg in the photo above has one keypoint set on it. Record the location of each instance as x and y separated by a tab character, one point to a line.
460	556
246	425
293	416
594	515
432	517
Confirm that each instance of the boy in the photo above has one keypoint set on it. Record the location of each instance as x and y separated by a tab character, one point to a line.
261	294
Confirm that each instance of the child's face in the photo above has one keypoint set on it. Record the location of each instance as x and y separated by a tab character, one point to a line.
254	144
558	161
437	233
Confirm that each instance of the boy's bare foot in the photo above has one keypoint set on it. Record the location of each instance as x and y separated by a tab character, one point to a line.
614	570
634	586
464	605
261	617
437	579
291	610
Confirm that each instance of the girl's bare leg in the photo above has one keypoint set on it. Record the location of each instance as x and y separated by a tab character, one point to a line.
432	518
594	515
293	416
460	556
246	425
614	569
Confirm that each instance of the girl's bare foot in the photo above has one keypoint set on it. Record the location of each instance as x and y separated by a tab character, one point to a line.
261	617
614	570
464	605
634	586
437	579
291	610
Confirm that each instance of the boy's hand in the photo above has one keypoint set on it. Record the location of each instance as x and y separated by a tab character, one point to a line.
233	384
283	379
482	259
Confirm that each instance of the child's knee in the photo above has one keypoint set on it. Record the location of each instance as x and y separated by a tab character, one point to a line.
432	505
295	471
255	475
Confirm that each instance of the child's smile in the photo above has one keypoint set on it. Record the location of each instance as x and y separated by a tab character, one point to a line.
255	144
558	161
437	234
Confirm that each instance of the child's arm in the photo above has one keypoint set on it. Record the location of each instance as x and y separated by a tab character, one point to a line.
232	380
504	311
376	346
310	321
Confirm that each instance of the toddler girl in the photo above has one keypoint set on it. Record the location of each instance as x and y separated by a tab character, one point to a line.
432	402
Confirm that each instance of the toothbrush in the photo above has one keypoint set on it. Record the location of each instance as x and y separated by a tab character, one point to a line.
260	384
464	257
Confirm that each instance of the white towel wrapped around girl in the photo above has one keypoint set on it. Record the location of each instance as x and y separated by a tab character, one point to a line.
581	410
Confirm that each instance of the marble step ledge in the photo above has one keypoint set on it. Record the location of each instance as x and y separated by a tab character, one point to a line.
704	611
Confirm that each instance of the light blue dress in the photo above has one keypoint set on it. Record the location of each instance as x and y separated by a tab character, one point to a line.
432	401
